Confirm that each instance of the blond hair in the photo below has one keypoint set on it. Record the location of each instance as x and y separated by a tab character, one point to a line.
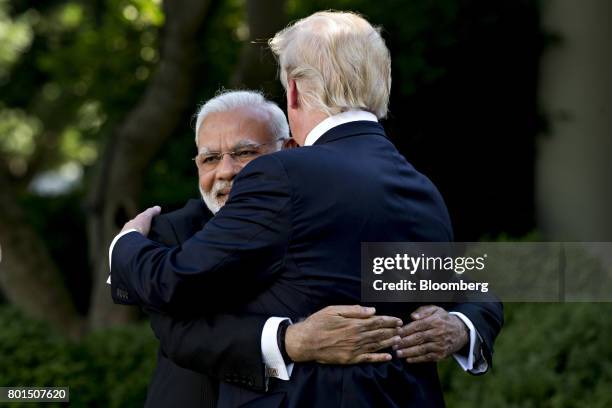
338	60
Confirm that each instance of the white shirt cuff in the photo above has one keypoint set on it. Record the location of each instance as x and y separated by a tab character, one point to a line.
468	363
110	250
272	357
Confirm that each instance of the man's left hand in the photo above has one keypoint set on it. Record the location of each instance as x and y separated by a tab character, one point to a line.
433	335
142	222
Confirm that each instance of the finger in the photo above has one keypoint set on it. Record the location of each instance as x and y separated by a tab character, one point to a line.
374	336
375	346
150	212
417	338
419	350
381	322
372	358
388	343
430	357
424	311
355	311
416	326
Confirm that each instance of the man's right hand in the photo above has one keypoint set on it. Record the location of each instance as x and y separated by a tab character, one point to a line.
342	335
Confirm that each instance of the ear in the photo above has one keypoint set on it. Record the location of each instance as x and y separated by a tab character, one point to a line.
290	143
292	94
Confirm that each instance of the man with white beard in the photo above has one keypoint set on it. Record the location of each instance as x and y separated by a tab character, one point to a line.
244	126
196	352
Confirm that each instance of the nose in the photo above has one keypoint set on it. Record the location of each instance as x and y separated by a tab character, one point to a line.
227	168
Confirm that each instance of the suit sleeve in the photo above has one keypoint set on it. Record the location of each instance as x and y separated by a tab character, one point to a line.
224	346
488	319
163	232
236	255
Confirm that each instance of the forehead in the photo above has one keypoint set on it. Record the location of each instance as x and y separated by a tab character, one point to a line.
225	130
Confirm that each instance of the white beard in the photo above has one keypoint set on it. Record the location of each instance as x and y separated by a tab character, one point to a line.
210	198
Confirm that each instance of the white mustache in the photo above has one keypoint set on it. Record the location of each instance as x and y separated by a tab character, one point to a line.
211	197
221	185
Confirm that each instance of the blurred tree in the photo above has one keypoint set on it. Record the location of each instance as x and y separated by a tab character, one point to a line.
574	193
28	142
116	185
29	276
256	68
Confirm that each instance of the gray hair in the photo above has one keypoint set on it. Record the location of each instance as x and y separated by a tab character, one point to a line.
229	100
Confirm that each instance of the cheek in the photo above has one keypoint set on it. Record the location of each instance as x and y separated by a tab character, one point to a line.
206	181
241	165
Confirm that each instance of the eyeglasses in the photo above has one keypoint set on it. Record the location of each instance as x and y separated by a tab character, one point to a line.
244	154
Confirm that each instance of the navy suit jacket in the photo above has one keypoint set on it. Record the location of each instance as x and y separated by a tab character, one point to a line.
288	243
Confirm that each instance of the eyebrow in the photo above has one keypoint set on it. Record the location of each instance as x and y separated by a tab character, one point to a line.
242	143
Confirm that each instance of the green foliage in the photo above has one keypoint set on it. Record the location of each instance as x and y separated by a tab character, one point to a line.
68	72
548	355
15	38
107	369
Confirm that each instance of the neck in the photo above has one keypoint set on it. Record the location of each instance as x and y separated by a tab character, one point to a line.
306	121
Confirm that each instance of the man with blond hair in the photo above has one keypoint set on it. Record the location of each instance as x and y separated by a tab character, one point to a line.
298	217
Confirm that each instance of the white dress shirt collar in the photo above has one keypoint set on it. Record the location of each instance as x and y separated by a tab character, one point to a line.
352	115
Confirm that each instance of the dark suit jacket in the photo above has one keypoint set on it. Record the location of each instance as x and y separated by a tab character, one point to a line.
288	243
195	352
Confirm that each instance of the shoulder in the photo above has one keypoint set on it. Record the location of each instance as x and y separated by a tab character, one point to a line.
290	159
266	167
265	176
175	227
193	209
282	168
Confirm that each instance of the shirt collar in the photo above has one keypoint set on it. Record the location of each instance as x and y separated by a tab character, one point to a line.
352	115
